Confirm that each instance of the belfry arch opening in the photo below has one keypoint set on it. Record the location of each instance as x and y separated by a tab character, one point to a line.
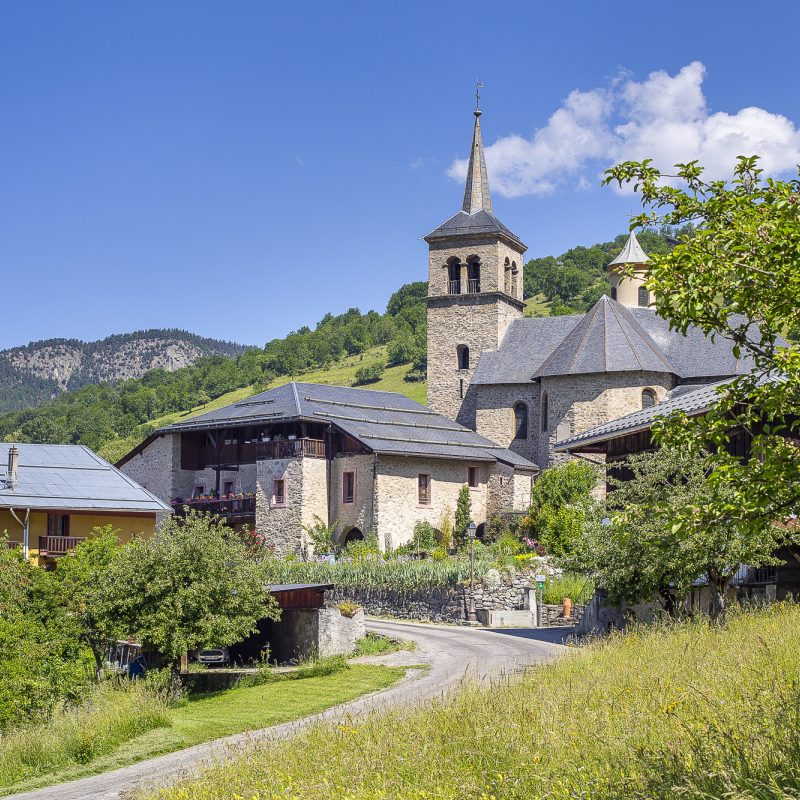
507	277
474	275
454	276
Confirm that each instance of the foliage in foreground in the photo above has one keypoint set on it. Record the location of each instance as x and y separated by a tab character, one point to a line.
115	712
680	711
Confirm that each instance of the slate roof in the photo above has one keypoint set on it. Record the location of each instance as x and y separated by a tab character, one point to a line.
386	422
607	339
476	188
531	341
632	253
693	403
463	224
60	476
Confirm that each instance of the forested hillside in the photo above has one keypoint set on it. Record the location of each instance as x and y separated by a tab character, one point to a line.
574	281
121	414
43	370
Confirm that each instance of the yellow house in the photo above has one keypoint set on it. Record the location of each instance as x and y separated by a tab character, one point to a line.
53	496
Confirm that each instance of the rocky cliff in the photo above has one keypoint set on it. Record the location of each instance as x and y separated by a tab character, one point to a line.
41	370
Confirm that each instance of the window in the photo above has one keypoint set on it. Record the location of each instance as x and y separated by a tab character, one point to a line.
278	492
348	487
502	481
507	284
227	487
57	525
199	490
462	351
513	278
613	292
474	276
424	489
648	398
520	421
644	297
473	477
461	388
546	409
454	277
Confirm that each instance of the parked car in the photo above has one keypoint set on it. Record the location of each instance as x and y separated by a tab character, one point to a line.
212	657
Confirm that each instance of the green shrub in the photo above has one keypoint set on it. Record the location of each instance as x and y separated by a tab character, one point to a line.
439	554
348	610
371	374
424	536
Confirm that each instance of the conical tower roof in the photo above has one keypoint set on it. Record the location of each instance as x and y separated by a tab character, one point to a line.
632	253
607	339
476	190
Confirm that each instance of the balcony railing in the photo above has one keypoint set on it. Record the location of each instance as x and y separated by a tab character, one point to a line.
474	285
454	287
237	510
55	546
291	448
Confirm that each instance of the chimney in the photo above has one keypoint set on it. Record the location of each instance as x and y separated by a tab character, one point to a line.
13	466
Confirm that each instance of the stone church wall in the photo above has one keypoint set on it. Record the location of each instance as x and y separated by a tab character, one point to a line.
495	416
579	402
359	514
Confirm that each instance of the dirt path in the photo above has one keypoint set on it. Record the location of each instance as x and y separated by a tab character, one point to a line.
450	653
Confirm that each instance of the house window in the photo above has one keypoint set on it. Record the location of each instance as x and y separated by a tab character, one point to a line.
545	410
613	292
278	493
348	487
227	488
199	490
520	421
648	398
424	489
473	476
462	351
644	297
58	525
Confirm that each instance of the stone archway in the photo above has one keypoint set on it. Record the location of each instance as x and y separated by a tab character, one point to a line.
353	535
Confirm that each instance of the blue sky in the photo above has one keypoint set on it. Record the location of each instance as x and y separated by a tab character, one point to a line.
239	169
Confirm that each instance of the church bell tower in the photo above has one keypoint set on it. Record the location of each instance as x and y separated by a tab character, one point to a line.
474	291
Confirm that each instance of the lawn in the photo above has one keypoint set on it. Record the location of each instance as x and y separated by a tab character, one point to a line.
537	306
687	710
209	716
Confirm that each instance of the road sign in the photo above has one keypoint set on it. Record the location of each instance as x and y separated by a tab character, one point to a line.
541	578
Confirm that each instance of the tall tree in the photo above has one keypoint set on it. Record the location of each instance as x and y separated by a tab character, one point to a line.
737	277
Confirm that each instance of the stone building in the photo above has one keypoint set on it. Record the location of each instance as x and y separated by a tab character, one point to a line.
375	461
529	382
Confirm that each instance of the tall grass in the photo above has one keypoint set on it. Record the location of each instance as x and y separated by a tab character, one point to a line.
570	585
681	711
378	573
114	713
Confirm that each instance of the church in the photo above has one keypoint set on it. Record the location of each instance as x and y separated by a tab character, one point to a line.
528	383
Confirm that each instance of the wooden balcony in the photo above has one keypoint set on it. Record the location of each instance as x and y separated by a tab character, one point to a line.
57	546
291	448
231	511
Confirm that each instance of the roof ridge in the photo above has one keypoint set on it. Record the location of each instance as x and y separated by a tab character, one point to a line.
562	343
657	351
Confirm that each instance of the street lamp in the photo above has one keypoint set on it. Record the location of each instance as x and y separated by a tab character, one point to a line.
472	529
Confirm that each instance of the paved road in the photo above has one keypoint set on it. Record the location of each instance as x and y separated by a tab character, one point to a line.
451	653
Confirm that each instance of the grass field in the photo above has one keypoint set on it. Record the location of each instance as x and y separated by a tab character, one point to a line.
209	716
680	711
537	306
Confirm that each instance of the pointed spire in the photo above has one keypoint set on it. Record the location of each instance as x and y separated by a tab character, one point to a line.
476	191
632	253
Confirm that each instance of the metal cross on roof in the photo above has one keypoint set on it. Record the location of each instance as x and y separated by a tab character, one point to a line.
478	87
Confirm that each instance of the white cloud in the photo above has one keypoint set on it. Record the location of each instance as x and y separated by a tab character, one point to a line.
663	118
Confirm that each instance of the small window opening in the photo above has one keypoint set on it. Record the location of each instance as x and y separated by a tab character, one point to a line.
279	492
424	483
507	282
461	388
545	410
613	292
474	276
648	398
644	297
520	421
348	487
472	477
227	487
58	525
454	277
462	351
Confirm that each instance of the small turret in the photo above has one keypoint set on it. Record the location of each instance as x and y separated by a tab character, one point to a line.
628	289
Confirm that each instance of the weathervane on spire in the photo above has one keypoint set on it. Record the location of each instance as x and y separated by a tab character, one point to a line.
478	86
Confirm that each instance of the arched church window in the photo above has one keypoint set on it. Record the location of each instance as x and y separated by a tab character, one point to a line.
648	398
474	276
644	297
462	351
545	410
520	421
613	292
454	276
